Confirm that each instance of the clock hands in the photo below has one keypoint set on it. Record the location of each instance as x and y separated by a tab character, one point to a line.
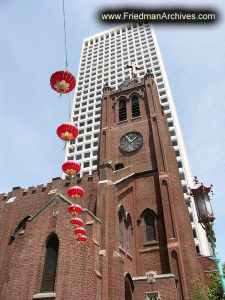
134	139
130	141
127	138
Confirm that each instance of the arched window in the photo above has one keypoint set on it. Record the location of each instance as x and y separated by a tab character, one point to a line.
149	217
128	232
121	215
122	110
135	107
49	272
150	226
19	228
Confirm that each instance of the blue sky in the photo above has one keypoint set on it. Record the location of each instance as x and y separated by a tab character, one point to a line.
32	48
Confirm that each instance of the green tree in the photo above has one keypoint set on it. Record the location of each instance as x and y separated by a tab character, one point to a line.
215	291
199	291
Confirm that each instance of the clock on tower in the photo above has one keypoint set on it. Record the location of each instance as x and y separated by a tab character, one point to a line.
131	141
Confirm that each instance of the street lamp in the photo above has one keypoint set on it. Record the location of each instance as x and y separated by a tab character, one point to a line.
200	193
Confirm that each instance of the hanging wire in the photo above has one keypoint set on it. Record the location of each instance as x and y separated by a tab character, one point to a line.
64	21
69	107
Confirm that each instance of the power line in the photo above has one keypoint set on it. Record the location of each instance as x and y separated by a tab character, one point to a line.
65	40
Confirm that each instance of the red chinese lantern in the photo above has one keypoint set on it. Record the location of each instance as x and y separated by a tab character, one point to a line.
71	168
75	210
67	132
75	192
77	222
80	231
82	239
62	82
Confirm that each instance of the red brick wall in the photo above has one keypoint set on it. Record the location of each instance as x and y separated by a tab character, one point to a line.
166	288
22	264
208	265
159	190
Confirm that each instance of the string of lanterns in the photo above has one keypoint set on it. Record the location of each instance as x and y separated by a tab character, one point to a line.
63	82
68	132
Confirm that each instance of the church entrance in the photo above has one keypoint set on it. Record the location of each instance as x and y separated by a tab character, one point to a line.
128	289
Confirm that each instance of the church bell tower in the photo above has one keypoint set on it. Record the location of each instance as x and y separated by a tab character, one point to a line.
147	239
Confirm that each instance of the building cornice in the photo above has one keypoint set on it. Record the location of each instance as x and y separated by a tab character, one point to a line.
160	276
135	174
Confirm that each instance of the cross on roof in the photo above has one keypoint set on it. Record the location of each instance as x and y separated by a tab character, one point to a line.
133	68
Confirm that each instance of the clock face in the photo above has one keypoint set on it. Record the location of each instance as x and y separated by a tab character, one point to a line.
131	141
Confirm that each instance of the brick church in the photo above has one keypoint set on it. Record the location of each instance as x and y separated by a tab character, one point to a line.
140	241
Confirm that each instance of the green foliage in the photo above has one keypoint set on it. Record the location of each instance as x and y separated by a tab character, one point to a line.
199	292
215	290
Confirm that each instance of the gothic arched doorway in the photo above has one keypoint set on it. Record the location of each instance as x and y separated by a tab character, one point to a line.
129	287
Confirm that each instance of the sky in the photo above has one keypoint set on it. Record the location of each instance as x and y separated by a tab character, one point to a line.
32	48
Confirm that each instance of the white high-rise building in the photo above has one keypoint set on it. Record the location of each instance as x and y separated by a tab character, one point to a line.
104	58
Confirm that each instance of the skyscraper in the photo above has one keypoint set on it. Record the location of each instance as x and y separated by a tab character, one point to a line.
104	59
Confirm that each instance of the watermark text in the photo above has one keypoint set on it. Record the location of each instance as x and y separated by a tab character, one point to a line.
159	16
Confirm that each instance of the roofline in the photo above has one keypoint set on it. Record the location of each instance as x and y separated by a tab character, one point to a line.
123	25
